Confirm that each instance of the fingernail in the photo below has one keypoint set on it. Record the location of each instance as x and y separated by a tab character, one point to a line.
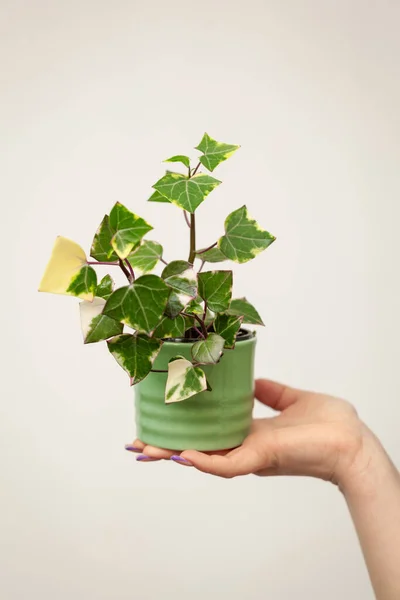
144	457
181	460
131	448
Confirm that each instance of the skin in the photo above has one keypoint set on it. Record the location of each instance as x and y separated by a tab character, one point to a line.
315	435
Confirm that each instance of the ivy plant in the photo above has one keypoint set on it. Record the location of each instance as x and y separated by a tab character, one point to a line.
184	301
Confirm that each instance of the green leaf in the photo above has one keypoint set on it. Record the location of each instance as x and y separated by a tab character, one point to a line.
135	353
185	160
184	380
105	287
215	287
214	152
184	192
180	276
157	197
242	308
84	283
96	326
102	249
227	327
146	256
128	229
208	350
170	328
195	306
213	255
243	238
140	305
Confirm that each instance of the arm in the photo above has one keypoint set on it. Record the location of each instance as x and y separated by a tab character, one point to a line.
319	436
373	498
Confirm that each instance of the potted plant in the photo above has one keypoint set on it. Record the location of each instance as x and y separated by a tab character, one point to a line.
185	349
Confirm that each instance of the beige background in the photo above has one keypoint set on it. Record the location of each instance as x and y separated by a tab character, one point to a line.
94	95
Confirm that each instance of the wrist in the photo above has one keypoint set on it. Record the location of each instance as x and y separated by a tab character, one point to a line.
368	469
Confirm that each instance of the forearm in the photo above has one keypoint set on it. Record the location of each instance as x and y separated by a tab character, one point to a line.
373	498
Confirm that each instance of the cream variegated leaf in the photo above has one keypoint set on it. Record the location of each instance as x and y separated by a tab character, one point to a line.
185	160
215	287
96	326
181	278
227	326
244	238
146	256
214	152
135	354
186	193
101	248
140	305
208	351
170	328
128	229
184	381
213	255
68	273
105	287
241	307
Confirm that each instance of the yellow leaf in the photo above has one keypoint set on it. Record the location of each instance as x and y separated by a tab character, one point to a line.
65	262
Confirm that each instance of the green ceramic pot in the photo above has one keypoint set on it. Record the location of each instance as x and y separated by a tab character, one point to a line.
214	420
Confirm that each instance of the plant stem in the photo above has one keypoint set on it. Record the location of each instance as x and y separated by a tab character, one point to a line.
199	332
205	311
97	262
164	261
130	270
159	370
205	249
203	262
196	169
125	271
203	325
192	253
186	218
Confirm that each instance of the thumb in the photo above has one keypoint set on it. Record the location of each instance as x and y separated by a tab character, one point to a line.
275	395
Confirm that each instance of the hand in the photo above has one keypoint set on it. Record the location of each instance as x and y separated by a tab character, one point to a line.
314	435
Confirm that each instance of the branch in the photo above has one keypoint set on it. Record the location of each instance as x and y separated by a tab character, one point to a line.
192	253
206	249
196	169
125	271
186	218
130	270
97	262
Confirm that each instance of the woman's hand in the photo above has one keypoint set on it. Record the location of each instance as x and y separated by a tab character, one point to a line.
314	435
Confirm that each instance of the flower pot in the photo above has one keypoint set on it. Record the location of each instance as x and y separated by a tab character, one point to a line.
215	420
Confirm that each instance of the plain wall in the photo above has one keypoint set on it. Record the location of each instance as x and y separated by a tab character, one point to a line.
94	95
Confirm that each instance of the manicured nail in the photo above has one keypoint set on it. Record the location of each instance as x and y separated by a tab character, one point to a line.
181	460
144	457
131	448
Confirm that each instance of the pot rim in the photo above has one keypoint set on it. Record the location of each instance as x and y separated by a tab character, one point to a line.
248	335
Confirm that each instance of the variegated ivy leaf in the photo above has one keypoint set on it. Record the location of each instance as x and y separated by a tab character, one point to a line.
213	255
208	350
67	271
140	305
185	160
243	238
128	229
105	287
227	327
214	152
102	249
180	276
215	287
184	192
183	381
195	307
170	328
242	308
135	353
146	256
157	197
96	326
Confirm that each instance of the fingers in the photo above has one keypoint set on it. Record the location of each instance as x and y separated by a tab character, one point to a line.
240	461
275	395
148	453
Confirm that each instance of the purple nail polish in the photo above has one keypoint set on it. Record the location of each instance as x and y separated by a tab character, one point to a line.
181	460
144	457
131	448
